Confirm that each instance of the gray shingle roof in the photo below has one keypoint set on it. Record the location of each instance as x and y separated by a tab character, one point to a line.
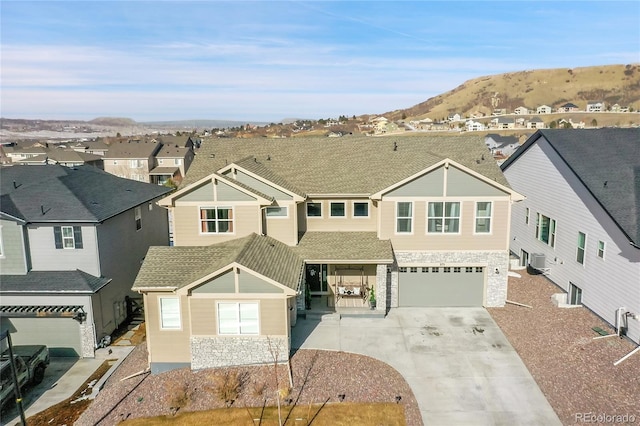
79	194
599	156
52	282
133	149
348	165
176	267
344	246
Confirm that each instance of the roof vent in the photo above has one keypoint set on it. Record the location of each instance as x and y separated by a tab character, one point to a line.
604	185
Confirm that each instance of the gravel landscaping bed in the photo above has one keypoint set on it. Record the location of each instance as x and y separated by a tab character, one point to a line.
575	372
318	376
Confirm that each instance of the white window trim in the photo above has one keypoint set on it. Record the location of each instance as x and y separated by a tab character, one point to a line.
444	218
412	217
161	323
2	255
476	217
238	322
138	216
286	216
353	209
344	203
306	211
526	216
604	249
233	220
73	238
553	226
584	249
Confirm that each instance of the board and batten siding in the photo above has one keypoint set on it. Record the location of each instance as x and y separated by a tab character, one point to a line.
467	239
166	346
45	256
13	259
554	191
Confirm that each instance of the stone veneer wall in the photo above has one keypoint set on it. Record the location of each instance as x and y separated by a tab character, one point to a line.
382	288
87	339
228	351
496	290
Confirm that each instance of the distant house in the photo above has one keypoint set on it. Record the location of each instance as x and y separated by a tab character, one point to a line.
71	243
535	123
503	123
579	223
618	108
499	111
568	107
568	123
454	117
521	110
473	126
65	157
173	162
91	147
543	109
132	159
595	106
501	146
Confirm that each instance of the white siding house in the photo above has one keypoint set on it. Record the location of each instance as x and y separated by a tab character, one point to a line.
580	213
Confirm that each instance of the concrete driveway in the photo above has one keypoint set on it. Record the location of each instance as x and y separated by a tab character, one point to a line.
459	364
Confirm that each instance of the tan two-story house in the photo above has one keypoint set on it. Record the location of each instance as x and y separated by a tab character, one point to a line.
266	229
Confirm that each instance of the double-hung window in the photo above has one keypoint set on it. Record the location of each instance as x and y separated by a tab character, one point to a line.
483	217
238	318
314	209
216	220
600	252
135	164
170	313
582	243
138	217
443	217
404	217
337	209
546	229
67	237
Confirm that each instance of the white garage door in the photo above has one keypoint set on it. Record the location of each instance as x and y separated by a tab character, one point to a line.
441	286
61	335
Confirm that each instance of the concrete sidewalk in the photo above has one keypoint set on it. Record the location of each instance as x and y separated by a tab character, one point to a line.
62	379
459	364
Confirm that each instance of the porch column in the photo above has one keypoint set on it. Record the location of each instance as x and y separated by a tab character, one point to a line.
381	288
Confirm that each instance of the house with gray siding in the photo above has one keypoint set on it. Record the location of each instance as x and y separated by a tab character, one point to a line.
580	222
71	244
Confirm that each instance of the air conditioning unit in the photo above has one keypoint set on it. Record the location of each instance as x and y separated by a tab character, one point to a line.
537	261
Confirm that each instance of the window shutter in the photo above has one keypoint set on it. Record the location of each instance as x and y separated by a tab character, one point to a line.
77	237
57	236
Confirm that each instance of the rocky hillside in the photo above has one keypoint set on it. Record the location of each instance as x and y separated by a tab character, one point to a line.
553	87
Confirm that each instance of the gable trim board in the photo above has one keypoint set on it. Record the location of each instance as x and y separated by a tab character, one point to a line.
233	168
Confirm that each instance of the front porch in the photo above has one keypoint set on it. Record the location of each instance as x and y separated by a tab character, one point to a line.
322	305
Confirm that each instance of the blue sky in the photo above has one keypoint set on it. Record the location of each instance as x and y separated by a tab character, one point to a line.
267	60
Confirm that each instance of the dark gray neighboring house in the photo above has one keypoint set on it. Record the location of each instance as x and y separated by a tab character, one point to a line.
580	221
71	243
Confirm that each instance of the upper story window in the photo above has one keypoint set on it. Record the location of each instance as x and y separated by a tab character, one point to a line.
546	229
582	243
216	220
314	209
600	252
138	218
177	161
67	237
443	217
277	211
338	209
238	318
360	209
135	164
483	217
404	217
170	313
526	216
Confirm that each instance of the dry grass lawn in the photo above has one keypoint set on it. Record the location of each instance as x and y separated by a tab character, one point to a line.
334	414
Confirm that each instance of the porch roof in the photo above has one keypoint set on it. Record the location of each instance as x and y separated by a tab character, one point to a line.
343	247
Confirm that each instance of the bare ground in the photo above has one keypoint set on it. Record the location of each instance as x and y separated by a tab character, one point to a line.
575	372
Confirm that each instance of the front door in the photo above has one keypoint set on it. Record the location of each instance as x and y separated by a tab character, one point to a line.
316	276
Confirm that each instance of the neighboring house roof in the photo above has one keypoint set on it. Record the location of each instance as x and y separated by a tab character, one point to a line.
63	156
502	140
160	171
569	105
607	162
343	247
53	282
260	168
353	165
132	149
55	193
172	268
172	151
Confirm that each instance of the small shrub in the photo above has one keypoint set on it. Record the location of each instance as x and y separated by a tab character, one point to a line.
258	389
179	395
228	387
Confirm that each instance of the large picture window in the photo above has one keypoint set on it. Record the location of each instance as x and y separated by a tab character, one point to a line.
360	209
170	313
314	209
338	209
443	217
483	217
238	318
216	220
277	211
546	229
404	217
